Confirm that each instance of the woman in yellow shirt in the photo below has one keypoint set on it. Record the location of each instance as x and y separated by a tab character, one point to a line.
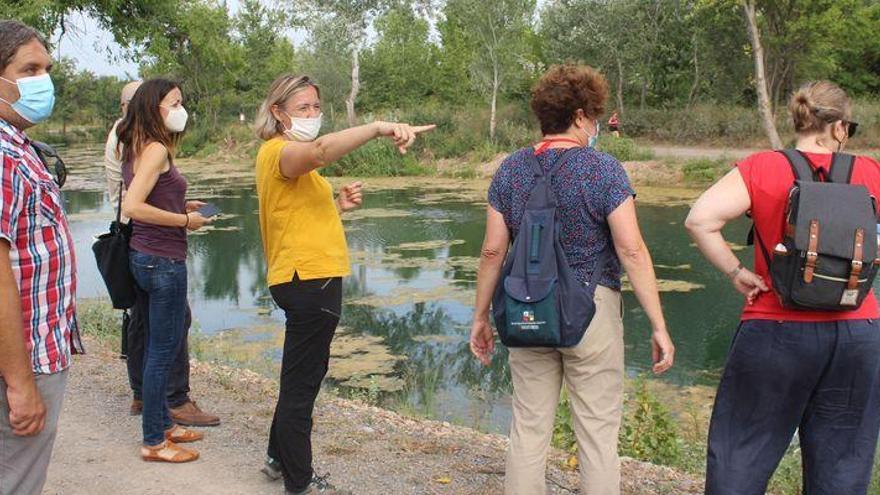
305	248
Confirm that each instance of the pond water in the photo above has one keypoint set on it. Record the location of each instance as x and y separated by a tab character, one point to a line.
408	303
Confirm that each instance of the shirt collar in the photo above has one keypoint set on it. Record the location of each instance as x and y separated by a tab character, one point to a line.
17	135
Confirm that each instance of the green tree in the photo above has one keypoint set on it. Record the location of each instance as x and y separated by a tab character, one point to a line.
498	32
348	20
400	69
200	53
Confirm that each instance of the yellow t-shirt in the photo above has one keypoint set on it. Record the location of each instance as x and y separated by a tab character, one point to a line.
302	231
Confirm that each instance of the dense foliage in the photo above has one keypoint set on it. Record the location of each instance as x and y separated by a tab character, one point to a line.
455	58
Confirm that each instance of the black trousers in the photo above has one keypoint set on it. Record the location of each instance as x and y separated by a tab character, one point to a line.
312	309
821	379
138	333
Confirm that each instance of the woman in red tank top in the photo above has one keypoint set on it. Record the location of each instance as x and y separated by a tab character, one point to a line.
814	372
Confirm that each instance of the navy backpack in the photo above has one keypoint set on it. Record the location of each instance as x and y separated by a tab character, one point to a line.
539	302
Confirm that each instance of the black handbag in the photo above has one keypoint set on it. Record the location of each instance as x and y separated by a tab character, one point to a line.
111	253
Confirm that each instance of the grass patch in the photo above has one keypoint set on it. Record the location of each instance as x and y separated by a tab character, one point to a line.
705	170
99	320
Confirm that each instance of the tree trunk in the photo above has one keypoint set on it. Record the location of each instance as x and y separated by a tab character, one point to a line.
695	87
355	87
644	93
619	85
492	117
764	105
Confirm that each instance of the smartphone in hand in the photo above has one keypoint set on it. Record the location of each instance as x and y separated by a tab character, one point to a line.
209	210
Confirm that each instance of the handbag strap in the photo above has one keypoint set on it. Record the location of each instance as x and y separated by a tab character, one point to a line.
119	204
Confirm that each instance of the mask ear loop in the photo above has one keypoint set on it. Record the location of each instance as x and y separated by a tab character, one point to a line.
834	135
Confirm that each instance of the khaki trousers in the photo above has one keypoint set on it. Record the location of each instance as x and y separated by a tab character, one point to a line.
593	372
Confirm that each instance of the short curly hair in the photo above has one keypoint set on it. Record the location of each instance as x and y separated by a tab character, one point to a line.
564	89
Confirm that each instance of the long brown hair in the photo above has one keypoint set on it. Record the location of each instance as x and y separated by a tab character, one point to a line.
143	124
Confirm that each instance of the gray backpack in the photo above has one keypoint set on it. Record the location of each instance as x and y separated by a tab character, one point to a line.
539	301
827	259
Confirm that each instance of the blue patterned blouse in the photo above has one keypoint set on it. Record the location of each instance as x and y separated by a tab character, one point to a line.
588	188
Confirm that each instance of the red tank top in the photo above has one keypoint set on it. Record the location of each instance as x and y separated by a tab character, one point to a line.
769	178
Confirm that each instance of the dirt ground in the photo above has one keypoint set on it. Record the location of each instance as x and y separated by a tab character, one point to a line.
365	449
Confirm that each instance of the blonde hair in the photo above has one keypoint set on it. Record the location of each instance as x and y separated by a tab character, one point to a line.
287	85
817	104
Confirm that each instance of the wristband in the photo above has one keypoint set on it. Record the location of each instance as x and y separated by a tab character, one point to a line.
186	225
733	273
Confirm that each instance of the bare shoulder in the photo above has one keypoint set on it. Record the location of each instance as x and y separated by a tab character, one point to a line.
153	158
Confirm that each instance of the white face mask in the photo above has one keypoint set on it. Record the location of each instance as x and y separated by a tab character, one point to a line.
303	129
176	119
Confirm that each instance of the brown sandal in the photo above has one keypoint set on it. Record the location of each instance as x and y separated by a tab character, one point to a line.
168	451
179	434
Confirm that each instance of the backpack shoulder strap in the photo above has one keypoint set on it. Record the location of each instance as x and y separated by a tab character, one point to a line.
534	164
842	165
799	165
563	159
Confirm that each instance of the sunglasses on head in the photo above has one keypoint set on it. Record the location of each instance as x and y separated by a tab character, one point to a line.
44	151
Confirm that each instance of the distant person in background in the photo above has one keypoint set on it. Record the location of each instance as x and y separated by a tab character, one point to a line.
161	218
112	155
184	410
814	372
307	254
38	326
614	124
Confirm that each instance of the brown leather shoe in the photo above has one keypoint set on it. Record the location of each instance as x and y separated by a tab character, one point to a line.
189	414
137	407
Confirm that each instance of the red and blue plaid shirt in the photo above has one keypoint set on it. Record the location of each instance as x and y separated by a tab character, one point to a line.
32	220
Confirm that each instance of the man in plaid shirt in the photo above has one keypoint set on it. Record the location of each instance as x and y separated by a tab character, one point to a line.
38	329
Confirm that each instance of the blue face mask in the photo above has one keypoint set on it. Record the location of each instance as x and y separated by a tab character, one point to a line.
595	138
36	100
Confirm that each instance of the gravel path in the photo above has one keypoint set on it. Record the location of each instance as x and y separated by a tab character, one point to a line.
366	449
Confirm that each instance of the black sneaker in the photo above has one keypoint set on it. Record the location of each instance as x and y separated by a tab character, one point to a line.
272	469
320	486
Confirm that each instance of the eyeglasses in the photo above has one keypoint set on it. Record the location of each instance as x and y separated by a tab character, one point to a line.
851	128
43	151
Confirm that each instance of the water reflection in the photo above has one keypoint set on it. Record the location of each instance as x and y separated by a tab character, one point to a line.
418	297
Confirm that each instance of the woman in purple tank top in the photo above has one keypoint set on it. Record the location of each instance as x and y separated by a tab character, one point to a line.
161	216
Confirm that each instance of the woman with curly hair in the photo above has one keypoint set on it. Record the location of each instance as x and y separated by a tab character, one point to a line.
597	215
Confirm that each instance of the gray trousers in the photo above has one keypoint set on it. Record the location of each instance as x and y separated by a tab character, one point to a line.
25	460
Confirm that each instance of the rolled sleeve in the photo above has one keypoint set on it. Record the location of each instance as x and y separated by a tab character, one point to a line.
11	199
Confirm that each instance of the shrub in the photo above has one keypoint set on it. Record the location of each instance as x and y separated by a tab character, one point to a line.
98	319
648	432
623	148
704	170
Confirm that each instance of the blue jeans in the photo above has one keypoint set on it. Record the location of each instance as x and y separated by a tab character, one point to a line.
164	280
819	379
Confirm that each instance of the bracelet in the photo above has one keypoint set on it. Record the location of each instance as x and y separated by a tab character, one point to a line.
187	220
733	273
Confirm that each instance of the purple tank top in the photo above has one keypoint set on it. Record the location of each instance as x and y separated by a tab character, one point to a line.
168	194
